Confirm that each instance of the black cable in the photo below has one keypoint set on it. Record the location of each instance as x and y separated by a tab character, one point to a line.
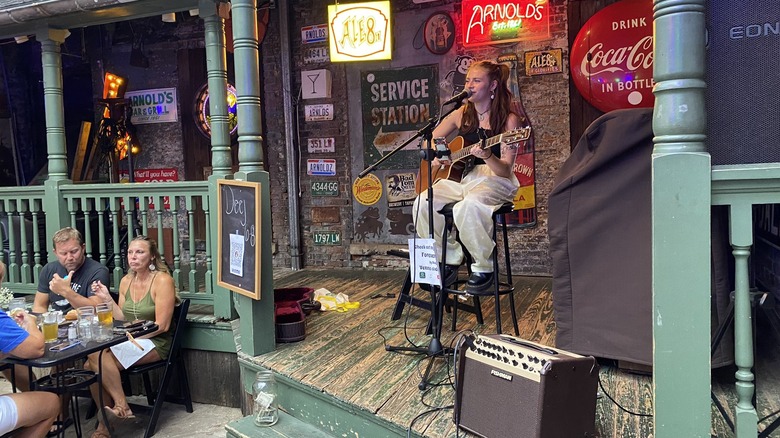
618	404
768	416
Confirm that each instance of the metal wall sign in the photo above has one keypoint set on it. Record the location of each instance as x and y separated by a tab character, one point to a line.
321	145
318	112
321	167
322	238
316	33
153	106
315	55
324	188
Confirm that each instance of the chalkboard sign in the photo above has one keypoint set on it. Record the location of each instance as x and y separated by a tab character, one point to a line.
238	245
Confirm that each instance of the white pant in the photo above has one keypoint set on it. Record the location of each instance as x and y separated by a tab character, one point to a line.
478	195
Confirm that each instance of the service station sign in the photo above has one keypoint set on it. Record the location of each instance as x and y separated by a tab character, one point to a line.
612	57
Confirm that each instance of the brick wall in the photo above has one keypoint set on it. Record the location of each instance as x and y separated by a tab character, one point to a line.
546	100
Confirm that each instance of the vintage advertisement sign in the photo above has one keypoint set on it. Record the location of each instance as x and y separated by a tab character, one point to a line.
316	33
324	188
152	176
400	189
489	21
612	57
321	167
360	31
367	190
321	145
543	62
323	111
158	105
396	103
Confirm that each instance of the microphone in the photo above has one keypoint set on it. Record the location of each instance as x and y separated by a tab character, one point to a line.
458	97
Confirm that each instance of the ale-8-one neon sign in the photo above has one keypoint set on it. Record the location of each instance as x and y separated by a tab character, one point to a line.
489	22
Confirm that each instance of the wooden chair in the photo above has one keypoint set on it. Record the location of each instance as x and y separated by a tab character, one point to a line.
174	364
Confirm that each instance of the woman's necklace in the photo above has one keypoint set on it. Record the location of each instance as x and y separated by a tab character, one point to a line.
481	115
142	283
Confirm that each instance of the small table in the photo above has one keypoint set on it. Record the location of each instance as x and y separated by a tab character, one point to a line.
59	359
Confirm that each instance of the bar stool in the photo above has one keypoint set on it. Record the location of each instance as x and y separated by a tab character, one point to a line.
498	288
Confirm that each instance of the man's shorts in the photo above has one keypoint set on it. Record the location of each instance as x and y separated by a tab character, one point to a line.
8	414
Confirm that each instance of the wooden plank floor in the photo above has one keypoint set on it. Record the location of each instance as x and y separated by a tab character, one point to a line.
344	356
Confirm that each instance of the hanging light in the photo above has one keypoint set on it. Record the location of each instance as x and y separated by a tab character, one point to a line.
169	18
21	39
194	12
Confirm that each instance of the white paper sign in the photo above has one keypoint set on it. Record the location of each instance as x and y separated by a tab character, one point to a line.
128	353
423	260
237	255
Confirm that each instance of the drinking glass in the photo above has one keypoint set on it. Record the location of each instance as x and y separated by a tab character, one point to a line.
17	303
85	322
105	314
50	326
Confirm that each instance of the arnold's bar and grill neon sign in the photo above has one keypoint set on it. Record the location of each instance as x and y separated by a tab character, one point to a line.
490	22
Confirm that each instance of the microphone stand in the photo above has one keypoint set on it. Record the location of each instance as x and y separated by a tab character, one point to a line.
435	348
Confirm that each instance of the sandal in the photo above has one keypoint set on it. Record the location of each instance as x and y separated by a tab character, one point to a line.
58	426
100	434
119	413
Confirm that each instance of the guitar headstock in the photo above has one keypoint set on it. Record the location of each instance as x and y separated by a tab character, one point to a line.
516	135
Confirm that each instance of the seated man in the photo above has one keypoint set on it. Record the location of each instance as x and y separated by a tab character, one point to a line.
31	414
65	283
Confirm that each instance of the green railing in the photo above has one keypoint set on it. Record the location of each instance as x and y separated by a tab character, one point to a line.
109	216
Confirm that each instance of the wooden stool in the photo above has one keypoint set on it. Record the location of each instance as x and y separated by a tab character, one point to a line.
498	287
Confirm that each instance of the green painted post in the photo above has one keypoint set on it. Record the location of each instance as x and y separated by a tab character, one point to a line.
214	15
258	333
53	204
680	223
741	237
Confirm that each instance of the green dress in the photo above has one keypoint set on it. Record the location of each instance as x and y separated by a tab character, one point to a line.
145	310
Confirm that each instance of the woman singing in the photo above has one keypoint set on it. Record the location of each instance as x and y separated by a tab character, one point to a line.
485	187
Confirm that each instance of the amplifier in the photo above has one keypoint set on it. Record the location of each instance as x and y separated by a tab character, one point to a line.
509	387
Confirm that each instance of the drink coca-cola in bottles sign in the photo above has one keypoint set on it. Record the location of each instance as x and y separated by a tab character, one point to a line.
612	56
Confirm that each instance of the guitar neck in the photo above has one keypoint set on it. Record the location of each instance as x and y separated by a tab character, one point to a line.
465	152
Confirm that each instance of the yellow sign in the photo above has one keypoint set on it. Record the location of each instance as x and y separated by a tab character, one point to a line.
367	190
543	62
359	31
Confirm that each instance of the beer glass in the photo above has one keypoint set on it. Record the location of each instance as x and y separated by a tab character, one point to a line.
105	314
17	303
50	326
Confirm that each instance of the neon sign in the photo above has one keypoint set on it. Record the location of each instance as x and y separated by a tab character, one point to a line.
491	22
359	31
202	111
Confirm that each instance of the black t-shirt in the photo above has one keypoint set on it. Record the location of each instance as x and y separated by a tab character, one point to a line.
84	276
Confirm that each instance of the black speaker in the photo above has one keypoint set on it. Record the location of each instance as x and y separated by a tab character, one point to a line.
743	81
511	388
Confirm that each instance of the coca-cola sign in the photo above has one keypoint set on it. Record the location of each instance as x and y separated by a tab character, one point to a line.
612	56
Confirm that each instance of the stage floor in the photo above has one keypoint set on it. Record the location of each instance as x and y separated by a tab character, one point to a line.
344	356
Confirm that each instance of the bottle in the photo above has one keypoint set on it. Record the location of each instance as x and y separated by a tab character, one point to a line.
264	397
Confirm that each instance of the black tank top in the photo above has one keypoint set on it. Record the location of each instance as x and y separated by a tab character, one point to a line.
475	137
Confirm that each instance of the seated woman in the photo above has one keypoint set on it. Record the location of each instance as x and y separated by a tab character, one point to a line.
147	292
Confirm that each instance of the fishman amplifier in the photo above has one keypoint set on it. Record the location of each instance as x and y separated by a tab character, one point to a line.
508	387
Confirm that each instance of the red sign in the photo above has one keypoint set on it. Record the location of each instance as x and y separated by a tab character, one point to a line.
491	22
612	57
151	176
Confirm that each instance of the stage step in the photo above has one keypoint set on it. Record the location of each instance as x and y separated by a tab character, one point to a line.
286	427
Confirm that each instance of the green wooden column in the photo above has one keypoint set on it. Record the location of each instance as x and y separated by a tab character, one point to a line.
258	333
680	223
53	204
214	15
741	237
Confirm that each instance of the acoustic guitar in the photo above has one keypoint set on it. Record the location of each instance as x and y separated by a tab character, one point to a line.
459	154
